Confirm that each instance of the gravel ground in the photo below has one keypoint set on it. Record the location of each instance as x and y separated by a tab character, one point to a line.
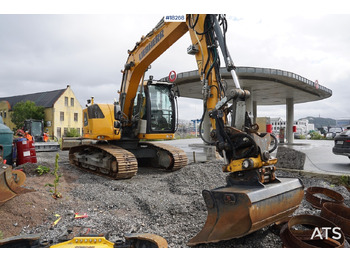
167	204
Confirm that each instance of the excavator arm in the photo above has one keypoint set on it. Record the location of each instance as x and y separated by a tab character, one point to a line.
207	34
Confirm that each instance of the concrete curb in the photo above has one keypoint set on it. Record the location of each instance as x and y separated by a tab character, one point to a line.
331	177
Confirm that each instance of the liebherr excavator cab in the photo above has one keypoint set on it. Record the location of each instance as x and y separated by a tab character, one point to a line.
155	110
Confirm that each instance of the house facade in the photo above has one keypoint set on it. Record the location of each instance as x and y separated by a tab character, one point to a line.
302	126
62	110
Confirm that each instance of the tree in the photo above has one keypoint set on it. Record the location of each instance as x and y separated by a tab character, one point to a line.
26	110
55	193
73	132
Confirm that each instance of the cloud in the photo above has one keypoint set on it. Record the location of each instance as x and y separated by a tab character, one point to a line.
47	52
315	47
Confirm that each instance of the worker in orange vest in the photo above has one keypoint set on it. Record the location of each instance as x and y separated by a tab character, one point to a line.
28	136
46	137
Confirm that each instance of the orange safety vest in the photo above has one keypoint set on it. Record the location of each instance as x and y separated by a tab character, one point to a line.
28	136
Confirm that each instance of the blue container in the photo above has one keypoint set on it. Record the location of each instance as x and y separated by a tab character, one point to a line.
6	139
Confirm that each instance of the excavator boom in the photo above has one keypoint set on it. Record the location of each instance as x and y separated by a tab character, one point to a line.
148	49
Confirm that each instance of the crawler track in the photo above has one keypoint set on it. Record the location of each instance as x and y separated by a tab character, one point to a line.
178	157
107	160
118	163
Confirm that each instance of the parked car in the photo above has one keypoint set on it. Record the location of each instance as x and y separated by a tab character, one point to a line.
333	132
342	144
297	135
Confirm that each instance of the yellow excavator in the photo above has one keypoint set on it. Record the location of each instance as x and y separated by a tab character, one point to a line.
253	197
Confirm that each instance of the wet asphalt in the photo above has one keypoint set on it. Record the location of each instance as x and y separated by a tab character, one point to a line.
319	155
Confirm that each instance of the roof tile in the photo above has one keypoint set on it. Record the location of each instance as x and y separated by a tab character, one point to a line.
45	99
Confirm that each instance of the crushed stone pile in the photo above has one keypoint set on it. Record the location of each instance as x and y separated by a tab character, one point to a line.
167	204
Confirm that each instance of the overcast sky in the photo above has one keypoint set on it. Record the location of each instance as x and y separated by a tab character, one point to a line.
40	52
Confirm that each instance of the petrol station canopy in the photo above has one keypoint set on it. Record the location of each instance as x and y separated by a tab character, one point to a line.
268	86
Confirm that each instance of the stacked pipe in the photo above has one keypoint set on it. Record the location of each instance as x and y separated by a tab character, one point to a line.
330	229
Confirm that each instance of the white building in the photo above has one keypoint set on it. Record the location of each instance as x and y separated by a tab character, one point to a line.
344	123
302	125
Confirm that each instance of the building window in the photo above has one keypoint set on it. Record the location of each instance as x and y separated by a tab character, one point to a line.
85	119
76	117
65	131
4	114
1	113
58	132
66	101
72	101
62	116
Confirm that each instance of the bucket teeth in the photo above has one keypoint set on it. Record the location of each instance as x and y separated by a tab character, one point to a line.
236	211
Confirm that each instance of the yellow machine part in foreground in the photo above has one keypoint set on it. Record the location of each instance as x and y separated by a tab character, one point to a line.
85	242
135	240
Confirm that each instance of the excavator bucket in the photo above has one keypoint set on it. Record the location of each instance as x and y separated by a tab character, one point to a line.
238	210
10	183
